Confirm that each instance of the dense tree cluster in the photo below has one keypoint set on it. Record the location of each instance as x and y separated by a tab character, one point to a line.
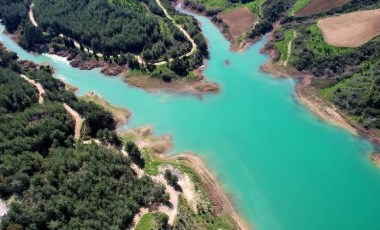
114	27
13	12
272	11
134	153
53	183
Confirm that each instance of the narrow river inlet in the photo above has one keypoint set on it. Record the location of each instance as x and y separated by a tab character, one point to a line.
283	167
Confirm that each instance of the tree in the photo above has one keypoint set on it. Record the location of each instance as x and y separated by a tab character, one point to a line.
134	153
172	180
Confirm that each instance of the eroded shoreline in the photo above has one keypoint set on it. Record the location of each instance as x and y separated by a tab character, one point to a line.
312	99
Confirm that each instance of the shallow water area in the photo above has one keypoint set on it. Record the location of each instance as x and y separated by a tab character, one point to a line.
284	167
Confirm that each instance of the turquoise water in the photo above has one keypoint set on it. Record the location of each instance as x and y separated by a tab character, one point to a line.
284	168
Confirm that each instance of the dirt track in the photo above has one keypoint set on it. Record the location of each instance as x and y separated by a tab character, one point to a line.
317	6
31	16
352	29
78	120
41	91
187	35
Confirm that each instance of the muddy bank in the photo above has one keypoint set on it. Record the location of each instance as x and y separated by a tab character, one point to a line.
83	62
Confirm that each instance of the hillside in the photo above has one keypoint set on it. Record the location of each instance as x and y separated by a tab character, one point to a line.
339	48
49	181
112	35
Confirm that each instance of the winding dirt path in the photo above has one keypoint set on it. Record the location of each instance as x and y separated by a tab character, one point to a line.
78	120
139	59
187	35
41	91
31	16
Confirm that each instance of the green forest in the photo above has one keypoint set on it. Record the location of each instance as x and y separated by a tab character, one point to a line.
115	30
50	181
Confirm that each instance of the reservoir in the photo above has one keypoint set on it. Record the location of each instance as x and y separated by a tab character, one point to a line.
284	168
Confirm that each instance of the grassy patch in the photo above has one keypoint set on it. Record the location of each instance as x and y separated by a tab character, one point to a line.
282	45
297	6
214	3
254	7
151	221
202	220
320	47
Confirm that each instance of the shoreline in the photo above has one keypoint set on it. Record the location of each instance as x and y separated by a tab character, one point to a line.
160	147
197	86
308	95
208	178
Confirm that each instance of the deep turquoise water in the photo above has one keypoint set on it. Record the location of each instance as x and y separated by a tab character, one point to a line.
284	167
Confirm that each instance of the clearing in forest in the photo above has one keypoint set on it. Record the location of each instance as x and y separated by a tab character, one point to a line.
352	29
239	20
317	6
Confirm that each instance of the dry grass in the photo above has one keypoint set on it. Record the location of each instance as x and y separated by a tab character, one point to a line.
239	20
352	29
317	6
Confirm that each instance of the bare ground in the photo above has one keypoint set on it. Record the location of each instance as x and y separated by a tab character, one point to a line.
31	16
78	120
239	20
317	6
352	29
41	90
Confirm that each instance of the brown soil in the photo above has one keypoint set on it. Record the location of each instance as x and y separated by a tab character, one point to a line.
239	20
234	45
317	6
352	29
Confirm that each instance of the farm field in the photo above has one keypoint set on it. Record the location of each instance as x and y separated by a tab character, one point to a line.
317	6
352	29
239	20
